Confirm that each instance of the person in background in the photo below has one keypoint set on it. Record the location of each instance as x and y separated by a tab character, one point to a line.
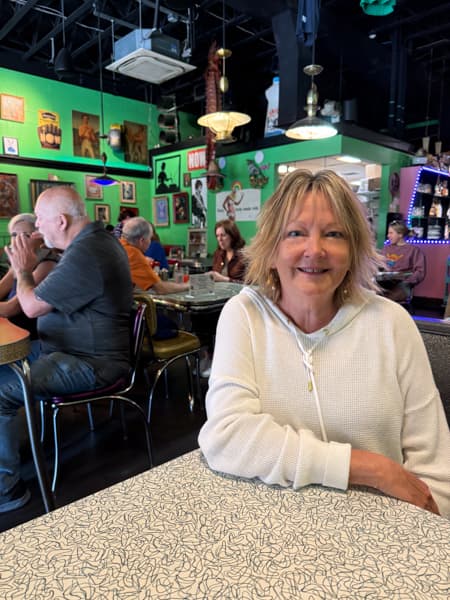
136	237
83	309
124	215
327	382
401	256
46	258
109	228
228	263
155	251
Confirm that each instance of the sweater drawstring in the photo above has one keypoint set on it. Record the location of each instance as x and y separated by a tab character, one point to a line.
308	362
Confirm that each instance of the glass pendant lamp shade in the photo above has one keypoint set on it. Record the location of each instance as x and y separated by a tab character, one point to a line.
222	123
311	128
104	178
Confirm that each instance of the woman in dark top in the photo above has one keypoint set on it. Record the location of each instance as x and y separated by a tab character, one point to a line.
228	263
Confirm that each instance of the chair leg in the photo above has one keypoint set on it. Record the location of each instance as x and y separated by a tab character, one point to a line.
55	447
191	395
90	416
43	414
123	421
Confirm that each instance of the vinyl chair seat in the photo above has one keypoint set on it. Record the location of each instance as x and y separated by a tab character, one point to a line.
115	387
184	342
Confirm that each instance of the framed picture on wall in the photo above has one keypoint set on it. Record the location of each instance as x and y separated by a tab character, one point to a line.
133	209
167	174
9	195
12	108
128	192
161	211
92	191
37	186
102	213
10	146
181	208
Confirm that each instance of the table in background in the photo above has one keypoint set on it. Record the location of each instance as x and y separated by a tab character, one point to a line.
14	348
392	275
190	310
181	531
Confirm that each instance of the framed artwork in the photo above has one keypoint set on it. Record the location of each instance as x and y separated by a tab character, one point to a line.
12	108
10	146
92	190
37	186
181	208
86	132
133	209
9	196
128	192
167	174
187	179
199	202
102	213
161	211
136	144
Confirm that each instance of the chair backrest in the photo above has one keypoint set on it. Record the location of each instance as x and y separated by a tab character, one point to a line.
436	336
150	312
137	330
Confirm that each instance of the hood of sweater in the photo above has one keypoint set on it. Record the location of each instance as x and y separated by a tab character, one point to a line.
308	342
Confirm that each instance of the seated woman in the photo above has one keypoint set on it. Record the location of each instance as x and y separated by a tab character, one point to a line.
24	224
401	256
228	263
155	251
317	379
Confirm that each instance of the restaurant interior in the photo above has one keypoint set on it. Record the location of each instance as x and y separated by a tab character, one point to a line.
140	72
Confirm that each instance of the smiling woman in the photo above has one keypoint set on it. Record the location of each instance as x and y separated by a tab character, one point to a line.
320	386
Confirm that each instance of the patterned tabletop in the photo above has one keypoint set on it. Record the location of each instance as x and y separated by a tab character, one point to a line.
181	531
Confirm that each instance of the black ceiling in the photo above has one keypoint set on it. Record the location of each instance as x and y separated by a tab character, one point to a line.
399	78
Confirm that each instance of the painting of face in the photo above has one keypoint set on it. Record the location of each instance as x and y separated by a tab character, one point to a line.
313	256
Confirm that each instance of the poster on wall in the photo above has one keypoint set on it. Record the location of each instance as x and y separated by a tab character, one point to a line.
85	131
238	204
199	202
12	108
167	173
9	195
49	129
37	186
135	143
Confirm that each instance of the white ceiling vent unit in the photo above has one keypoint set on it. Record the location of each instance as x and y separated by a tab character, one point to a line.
149	55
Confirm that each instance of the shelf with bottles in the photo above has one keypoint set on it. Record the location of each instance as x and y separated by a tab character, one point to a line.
197	243
429	209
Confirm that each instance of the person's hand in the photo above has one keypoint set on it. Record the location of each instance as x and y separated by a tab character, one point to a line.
21	254
218	276
384	474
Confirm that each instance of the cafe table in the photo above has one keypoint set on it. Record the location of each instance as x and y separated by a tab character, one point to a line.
205	301
182	532
14	348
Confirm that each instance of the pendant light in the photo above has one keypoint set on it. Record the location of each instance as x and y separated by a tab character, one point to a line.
63	61
311	127
104	179
222	122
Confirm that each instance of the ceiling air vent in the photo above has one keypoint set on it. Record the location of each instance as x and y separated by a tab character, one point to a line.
148	55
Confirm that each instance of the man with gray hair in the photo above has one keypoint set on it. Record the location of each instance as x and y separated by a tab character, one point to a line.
83	309
136	238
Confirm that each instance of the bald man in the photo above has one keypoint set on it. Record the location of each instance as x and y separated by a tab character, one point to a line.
83	309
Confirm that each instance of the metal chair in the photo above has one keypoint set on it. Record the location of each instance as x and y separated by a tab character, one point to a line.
116	391
164	353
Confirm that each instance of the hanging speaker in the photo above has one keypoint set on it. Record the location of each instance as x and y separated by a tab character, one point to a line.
350	112
166	120
63	64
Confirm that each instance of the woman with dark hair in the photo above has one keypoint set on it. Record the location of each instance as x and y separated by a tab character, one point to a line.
228	262
401	256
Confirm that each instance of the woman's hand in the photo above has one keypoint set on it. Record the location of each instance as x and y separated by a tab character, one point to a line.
218	276
384	474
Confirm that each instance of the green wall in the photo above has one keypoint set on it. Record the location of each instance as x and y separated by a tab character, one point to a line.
40	93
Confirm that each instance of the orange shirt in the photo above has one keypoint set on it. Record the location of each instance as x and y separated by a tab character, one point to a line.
142	275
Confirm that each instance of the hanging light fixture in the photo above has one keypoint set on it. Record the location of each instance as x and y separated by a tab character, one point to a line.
103	179
311	127
63	61
222	122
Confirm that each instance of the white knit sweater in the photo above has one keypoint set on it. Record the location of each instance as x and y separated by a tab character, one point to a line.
287	407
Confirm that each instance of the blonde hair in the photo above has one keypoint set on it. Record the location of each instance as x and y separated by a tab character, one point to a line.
275	215
29	218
